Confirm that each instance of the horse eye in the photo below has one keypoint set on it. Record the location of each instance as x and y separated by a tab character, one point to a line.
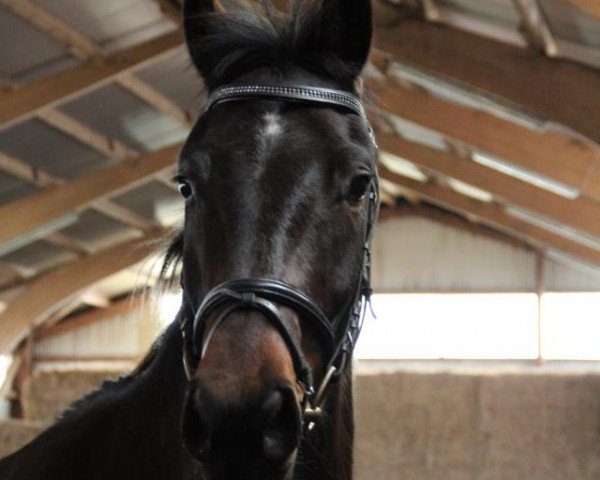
185	188
358	188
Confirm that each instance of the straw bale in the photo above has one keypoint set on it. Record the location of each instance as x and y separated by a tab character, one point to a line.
455	427
47	394
16	433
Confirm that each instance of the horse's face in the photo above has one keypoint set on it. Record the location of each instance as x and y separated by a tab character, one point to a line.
273	190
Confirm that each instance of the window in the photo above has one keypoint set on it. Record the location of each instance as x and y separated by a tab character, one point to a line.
490	326
571	326
482	326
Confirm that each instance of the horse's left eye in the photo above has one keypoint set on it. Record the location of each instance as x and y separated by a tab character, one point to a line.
358	188
185	188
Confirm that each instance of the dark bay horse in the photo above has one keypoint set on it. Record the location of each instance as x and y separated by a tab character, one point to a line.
253	381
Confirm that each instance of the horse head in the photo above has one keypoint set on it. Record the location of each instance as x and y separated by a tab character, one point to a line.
279	179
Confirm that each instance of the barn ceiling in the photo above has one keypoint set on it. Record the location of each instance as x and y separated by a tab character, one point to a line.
489	110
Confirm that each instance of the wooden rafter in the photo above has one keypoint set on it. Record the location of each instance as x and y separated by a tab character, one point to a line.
49	291
535	29
494	215
73	128
24	102
83	47
63	241
43	179
82	133
518	76
581	213
30	213
120	307
551	154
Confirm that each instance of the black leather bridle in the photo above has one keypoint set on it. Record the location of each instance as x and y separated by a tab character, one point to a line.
338	335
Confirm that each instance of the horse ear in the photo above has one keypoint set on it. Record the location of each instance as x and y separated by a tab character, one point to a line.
345	29
196	23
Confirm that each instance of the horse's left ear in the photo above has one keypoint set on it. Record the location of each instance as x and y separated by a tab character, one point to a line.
196	26
345	30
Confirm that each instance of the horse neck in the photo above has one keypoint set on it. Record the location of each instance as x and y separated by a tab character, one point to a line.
327	453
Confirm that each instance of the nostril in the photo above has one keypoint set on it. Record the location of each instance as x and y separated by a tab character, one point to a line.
282	424
199	414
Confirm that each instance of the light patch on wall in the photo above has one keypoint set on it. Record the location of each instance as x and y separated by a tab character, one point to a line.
168	306
5	361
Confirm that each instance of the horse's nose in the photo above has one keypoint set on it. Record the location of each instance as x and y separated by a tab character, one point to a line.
281	424
269	428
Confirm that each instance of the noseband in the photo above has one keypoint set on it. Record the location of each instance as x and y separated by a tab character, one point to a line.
338	335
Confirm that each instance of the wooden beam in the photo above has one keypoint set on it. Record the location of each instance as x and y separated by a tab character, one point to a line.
85	135
83	47
494	215
581	213
556	90
551	154
24	102
42	179
534	27
46	293
94	298
63	241
78	43
120	307
22	216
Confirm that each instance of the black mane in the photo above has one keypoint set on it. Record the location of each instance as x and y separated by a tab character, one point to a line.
250	40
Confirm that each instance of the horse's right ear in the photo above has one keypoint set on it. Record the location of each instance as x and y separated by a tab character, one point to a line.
196	24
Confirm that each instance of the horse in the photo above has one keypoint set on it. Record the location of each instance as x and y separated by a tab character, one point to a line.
253	379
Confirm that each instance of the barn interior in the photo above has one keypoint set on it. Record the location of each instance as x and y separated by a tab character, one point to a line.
482	358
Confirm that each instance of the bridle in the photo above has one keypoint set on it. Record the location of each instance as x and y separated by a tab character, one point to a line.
339	334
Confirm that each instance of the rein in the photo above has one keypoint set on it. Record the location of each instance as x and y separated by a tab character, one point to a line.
338	335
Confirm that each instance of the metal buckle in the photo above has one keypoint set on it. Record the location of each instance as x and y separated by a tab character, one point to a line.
313	404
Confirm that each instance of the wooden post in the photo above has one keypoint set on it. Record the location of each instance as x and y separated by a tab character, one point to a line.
539	290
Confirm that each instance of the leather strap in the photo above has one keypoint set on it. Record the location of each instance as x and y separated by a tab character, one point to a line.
311	95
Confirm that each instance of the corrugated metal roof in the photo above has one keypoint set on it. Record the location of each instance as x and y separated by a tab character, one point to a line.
12	188
109	20
41	146
38	256
176	78
98	231
570	23
117	114
148	199
30	54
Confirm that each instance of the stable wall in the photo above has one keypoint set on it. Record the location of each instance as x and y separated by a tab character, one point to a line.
428	425
484	427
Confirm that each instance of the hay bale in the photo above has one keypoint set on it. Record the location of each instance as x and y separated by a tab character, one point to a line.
16	433
46	394
484	427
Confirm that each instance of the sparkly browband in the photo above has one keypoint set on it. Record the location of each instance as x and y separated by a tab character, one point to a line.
325	96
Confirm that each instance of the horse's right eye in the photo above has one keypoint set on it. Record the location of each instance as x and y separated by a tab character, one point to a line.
185	188
358	188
